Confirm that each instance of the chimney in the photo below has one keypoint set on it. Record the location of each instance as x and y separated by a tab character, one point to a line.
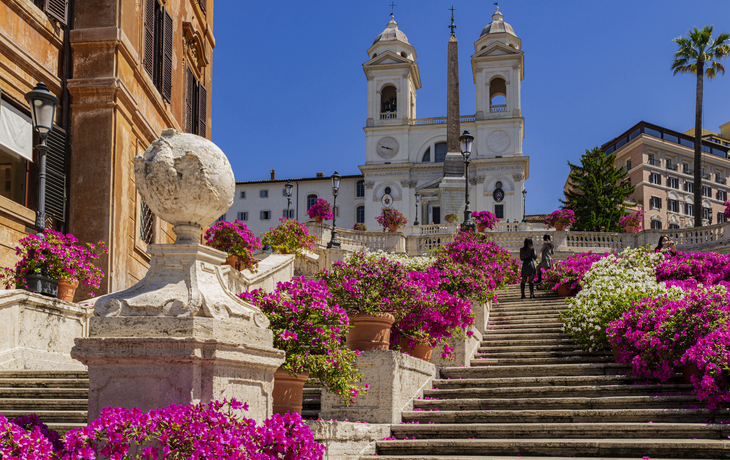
273	174
320	174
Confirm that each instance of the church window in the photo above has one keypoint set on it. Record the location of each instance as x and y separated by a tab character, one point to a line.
440	149
360	189
360	214
498	95
387	190
311	199
426	156
404	54
158	41
375	55
389	100
499	211
196	105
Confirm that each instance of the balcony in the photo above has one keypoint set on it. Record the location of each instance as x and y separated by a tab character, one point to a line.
720	180
672	167
706	176
498	108
441	120
654	162
388	115
688	171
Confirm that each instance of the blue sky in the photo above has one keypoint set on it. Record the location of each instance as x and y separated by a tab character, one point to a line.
289	91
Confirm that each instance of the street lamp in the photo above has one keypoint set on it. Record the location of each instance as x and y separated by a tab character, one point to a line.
466	140
334	242
42	109
415	222
524	210
288	188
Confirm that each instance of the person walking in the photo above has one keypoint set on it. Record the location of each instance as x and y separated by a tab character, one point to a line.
546	257
528	256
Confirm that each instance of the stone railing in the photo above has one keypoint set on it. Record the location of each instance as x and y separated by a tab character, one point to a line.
498	108
442	120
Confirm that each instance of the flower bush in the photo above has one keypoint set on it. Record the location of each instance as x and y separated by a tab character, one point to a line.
235	239
290	237
698	267
726	213
28	438
569	271
390	216
58	256
485	218
321	208
632	220
419	263
565	217
451	216
359	226
310	327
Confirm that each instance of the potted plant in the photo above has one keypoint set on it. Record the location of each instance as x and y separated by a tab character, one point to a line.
391	219
54	265
236	240
631	222
560	219
290	237
310	327
360	227
484	220
451	217
320	210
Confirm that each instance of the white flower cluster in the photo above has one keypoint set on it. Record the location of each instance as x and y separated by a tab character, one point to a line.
410	263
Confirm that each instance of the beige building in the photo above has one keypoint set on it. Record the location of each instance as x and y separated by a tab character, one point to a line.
660	163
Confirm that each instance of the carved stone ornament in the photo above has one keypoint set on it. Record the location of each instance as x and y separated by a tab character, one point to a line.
369	185
405	183
194	47
518	177
187	181
413	183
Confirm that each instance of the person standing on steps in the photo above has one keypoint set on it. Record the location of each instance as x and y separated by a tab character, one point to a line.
546	257
528	256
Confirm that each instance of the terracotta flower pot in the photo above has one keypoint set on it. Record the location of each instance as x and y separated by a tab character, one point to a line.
481	228
231	261
559	227
419	351
318	219
688	370
632	230
67	289
450	220
370	332
288	389
564	291
393	227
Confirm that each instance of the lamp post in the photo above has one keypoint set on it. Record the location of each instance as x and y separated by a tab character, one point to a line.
466	140
42	109
524	210
288	188
334	242
415	222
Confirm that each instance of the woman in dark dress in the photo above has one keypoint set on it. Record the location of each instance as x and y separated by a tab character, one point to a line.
528	256
546	259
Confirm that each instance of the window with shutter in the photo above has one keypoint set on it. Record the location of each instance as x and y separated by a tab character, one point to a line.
167	57
149	37
202	110
190	105
56	174
58	10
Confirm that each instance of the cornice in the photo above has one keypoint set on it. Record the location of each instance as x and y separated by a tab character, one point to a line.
29	65
39	21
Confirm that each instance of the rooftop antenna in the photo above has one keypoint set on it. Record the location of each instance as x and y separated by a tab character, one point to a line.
392	8
452	26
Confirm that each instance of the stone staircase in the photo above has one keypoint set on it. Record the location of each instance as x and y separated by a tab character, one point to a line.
59	398
532	393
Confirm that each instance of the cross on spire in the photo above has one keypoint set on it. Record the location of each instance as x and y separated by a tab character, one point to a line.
392	8
452	26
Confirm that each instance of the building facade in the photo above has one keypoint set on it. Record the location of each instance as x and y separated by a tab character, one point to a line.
123	71
660	163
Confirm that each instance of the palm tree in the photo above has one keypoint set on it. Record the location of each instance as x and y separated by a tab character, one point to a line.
699	54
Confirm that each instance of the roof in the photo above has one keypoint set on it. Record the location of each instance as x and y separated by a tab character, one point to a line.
302	179
497	26
666	134
391	33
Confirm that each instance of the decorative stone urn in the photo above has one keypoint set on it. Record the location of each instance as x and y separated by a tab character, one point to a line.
180	336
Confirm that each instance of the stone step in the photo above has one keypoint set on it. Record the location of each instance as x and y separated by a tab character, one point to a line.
530	348
562	403
47	416
508	353
43	404
63	428
536	314
515	320
562	430
529	306
43	383
42	375
654	415
310	414
490	338
503	329
550	381
487	457
669	448
560	391
43	393
499	361
537	370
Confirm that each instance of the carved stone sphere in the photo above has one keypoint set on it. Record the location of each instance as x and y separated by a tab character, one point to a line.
185	179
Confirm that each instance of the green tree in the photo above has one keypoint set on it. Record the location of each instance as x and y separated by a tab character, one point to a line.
597	193
699	54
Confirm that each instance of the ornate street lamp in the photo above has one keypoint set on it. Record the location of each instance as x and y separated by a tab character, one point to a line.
42	109
466	140
415	222
288	188
524	210
334	242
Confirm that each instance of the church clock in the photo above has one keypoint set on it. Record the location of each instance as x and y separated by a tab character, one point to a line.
387	148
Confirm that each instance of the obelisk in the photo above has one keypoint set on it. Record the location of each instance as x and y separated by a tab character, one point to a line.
451	189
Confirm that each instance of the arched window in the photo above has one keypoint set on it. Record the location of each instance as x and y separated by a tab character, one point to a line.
426	156
360	214
440	149
311	199
498	95
404	54
360	192
389	100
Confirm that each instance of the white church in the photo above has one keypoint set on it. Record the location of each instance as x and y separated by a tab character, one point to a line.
405	154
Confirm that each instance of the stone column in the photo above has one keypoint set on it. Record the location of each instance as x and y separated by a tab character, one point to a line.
451	188
180	336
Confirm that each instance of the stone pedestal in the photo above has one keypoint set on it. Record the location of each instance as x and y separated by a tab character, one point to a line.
452	195
395	381
481	315
347	440
464	350
153	362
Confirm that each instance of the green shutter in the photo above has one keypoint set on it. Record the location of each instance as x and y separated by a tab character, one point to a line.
56	174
